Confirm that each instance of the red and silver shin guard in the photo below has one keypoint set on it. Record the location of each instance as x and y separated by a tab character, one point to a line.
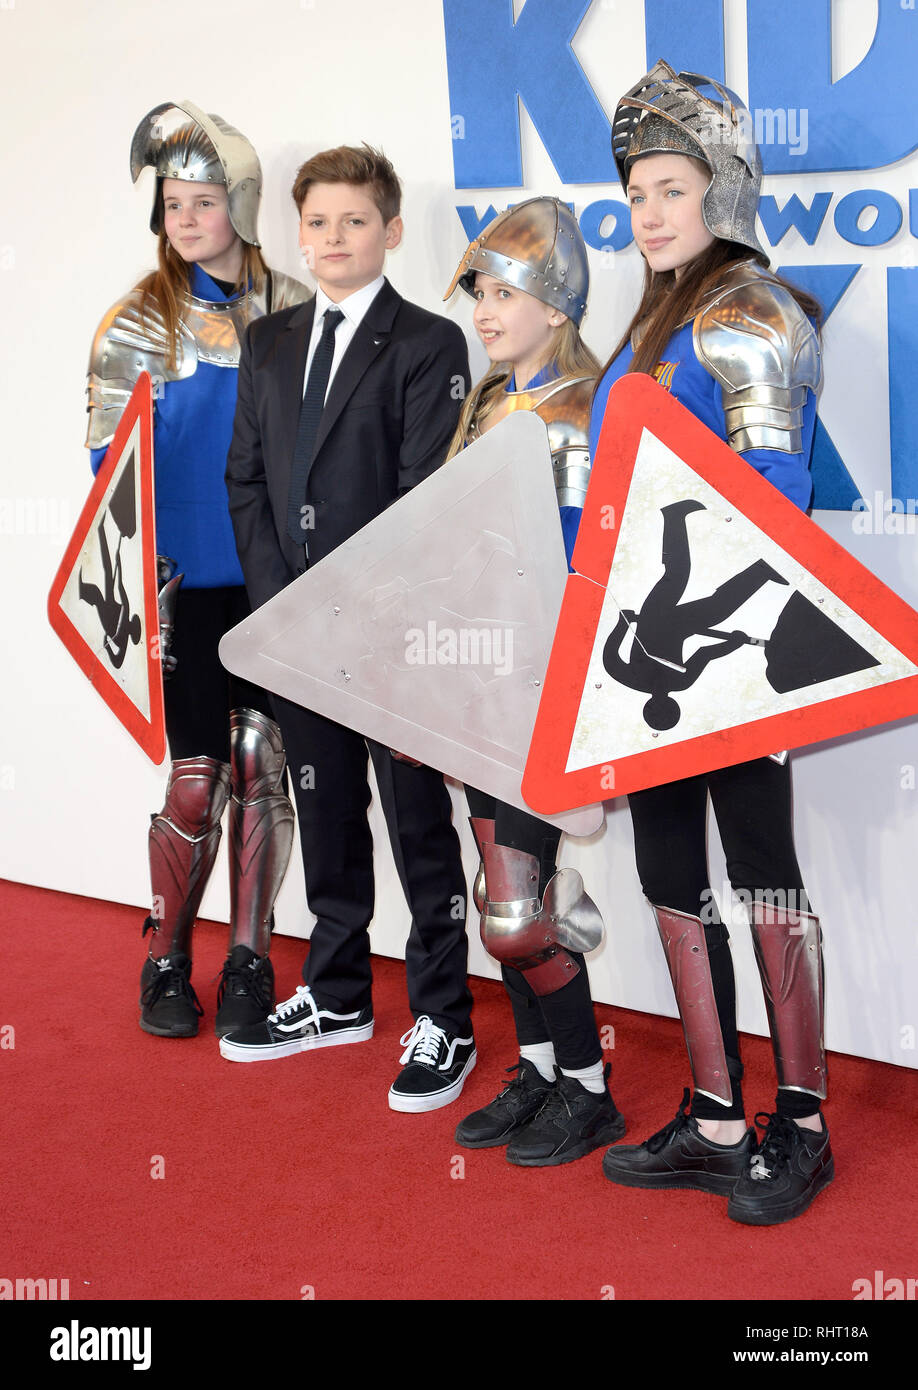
690	970
261	827
788	950
184	839
483	830
520	930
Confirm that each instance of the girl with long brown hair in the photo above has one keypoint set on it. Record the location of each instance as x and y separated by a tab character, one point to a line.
740	348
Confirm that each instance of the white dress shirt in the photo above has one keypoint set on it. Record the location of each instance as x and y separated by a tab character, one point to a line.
354	307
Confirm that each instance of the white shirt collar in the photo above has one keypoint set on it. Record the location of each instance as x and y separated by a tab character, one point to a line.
355	306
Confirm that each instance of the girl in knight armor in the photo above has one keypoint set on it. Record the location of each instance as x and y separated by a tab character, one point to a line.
557	1106
182	324
740	348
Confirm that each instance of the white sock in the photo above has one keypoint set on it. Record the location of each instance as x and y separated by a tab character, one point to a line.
589	1077
542	1057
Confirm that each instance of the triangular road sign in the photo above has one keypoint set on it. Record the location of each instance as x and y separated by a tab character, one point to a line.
103	602
430	629
708	621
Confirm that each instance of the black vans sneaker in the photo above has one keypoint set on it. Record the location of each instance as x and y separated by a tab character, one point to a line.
434	1067
572	1122
169	1007
297	1025
517	1103
245	994
790	1167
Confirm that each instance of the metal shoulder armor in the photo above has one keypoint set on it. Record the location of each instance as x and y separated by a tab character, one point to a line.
754	338
128	343
566	412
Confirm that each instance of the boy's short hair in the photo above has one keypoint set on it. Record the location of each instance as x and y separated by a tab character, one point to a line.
348	164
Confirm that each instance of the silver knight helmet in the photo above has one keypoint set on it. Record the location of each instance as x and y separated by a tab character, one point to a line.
537	247
182	142
685	113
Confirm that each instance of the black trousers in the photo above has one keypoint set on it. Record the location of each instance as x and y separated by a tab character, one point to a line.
200	693
328	767
752	806
564	1018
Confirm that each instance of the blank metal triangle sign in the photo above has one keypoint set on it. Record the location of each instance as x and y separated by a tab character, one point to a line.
708	621
430	629
103	602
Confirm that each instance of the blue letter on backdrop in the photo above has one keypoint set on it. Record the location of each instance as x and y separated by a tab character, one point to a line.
865	120
689	37
492	62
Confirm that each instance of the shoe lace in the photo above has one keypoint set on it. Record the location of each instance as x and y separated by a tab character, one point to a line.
422	1042
301	1000
658	1141
776	1147
169	977
244	979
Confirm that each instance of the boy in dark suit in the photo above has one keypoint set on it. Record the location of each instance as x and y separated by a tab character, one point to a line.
344	404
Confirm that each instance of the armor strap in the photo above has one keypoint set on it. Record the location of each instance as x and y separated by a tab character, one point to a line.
184	838
483	830
519	930
261	827
788	951
690	970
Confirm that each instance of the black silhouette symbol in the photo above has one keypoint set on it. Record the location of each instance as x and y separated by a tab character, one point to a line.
805	646
113	606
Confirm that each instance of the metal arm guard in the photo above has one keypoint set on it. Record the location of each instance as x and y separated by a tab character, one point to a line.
754	339
184	839
565	410
518	930
687	957
788	951
483	830
128	343
261	827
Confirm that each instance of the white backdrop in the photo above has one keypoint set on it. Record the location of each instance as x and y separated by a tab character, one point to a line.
297	76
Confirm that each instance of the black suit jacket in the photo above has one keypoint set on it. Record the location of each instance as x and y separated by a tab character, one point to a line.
388	419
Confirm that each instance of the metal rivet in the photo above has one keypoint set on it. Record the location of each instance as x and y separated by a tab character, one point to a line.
337	611
597	685
520	573
655	735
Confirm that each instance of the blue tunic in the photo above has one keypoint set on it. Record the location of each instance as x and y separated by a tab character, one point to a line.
684	377
192	430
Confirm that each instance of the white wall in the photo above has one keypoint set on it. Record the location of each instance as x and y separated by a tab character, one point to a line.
75	793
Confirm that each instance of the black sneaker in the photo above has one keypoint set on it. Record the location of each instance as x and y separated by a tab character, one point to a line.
296	1025
434	1067
789	1168
169	1007
680	1156
245	994
572	1122
517	1103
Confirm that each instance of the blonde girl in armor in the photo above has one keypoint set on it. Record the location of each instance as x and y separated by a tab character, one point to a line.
557	1106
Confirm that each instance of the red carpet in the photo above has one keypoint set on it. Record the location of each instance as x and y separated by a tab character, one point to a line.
293	1175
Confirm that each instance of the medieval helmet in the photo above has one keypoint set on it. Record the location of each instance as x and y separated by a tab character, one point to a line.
684	113
537	247
203	149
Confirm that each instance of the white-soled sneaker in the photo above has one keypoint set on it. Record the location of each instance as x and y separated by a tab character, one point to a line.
434	1067
296	1025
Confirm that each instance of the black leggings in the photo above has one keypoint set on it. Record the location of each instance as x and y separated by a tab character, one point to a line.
564	1018
200	692
752	806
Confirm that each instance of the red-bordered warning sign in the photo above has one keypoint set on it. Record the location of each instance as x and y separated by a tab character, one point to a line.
708	621
103	602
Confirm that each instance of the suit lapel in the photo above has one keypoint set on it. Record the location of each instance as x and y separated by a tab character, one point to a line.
292	347
369	340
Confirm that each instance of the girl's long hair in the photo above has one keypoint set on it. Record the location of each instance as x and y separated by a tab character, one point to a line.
571	357
166	287
667	303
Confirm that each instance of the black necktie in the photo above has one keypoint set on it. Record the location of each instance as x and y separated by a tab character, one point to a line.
308	428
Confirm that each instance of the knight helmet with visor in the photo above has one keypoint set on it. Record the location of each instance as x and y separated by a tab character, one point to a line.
182	142
685	113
